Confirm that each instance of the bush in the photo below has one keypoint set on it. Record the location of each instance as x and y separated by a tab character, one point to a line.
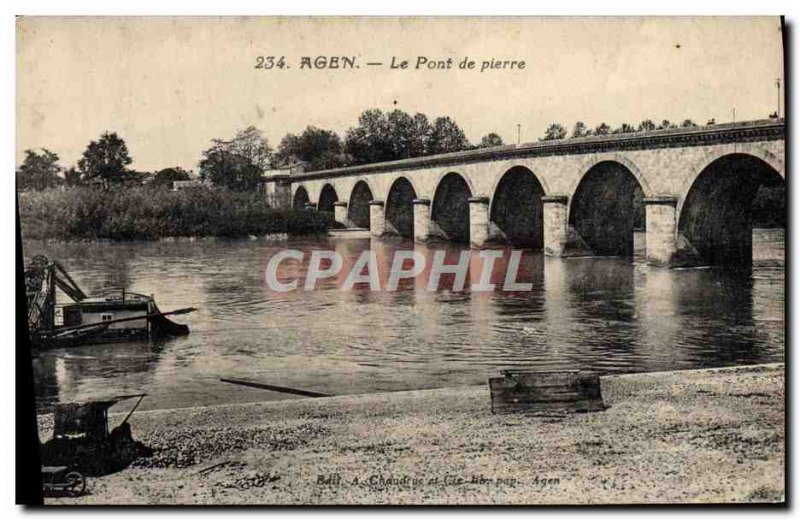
144	213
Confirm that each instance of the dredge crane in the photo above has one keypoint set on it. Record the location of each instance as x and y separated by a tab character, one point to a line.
42	276
129	317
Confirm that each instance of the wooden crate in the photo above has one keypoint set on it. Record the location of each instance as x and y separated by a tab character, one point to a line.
530	391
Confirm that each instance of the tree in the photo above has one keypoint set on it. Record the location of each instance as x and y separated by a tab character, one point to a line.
666	124
164	178
580	130
554	132
287	151
491	139
38	171
224	167
72	177
400	126
105	160
646	126
398	135
602	129
410	136
369	141
251	144
321	149
625	128
237	164
446	137
688	123
420	142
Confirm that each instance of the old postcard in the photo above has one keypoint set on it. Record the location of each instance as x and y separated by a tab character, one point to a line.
317	261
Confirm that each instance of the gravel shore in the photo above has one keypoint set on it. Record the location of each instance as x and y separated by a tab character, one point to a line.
672	437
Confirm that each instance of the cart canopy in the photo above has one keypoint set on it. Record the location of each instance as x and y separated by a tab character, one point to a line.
85	419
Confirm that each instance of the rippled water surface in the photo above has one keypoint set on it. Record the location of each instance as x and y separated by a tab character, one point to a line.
606	314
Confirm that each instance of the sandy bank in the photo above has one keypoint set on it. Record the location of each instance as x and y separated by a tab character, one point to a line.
690	436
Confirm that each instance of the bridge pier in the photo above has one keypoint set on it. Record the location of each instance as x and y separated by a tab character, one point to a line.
377	218
278	191
422	219
555	224
661	242
340	212
478	221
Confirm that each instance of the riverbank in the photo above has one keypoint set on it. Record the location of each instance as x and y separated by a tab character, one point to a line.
150	213
672	437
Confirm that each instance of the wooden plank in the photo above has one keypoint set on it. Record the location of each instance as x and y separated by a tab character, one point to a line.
521	391
282	389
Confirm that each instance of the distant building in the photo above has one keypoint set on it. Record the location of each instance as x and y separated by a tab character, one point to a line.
289	169
276	186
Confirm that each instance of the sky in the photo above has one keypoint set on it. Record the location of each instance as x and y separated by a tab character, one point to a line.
168	86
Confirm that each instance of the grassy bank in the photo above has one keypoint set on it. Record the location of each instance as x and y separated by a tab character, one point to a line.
672	437
143	213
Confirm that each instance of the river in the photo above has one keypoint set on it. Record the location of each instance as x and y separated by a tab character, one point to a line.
610	315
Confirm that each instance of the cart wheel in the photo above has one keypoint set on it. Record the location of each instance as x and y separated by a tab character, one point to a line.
75	483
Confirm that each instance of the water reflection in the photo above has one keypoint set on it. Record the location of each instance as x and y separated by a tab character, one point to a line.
656	308
719	307
129	365
603	314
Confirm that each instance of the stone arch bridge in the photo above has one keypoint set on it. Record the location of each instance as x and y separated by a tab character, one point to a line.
689	190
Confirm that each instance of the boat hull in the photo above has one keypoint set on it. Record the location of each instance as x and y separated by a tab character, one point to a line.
142	321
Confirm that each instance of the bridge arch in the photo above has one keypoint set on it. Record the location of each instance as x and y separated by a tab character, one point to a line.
301	198
327	197
708	158
606	208
516	211
598	158
715	219
447	173
450	207
399	209
358	207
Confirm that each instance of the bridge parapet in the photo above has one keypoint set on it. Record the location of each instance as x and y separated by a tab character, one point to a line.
760	130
